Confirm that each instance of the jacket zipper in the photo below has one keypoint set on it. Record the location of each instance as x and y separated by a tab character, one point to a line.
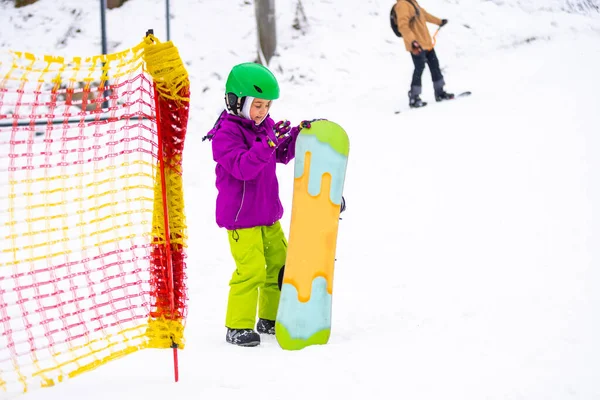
242	202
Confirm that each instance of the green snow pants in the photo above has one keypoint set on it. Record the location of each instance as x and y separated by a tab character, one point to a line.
259	254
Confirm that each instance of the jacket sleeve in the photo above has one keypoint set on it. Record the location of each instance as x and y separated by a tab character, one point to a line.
432	19
232	153
403	17
286	151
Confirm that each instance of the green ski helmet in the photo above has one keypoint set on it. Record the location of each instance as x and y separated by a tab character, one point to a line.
249	79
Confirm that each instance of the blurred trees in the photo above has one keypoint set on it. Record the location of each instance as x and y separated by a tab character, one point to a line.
583	5
300	20
266	27
109	3
23	3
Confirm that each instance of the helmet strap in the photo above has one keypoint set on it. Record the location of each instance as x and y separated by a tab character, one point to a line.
234	104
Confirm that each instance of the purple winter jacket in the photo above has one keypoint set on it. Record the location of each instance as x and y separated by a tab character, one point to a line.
246	179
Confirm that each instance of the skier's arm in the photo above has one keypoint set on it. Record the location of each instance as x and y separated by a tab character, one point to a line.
231	152
432	19
403	16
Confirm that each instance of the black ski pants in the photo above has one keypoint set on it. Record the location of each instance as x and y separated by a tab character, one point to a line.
429	57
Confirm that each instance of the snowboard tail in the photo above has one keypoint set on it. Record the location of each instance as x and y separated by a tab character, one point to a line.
304	313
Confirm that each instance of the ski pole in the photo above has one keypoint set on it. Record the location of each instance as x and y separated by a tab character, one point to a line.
435	34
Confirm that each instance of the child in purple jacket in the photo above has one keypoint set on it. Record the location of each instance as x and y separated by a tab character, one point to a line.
246	146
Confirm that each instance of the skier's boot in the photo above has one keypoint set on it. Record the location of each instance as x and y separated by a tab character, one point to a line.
266	326
243	337
442	95
414	101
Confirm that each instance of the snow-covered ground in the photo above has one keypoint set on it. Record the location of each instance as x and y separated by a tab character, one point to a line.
468	264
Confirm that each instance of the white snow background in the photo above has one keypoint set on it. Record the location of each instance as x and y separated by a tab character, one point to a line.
468	258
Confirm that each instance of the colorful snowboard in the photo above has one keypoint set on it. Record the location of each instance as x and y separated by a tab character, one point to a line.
304	314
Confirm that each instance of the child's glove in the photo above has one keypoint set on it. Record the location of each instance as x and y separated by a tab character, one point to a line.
282	129
306	123
444	22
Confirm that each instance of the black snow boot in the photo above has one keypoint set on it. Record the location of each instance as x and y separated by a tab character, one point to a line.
243	337
442	95
414	101
266	326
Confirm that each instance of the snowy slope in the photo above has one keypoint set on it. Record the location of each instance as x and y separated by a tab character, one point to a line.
468	261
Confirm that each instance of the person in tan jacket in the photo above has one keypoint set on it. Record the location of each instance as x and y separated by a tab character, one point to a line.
412	23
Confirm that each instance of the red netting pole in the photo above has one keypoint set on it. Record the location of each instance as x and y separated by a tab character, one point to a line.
170	87
163	183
